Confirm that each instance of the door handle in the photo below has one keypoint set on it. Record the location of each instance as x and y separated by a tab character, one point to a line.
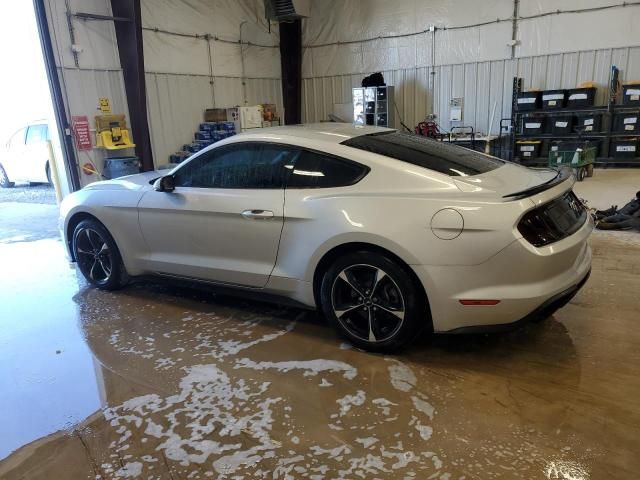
258	214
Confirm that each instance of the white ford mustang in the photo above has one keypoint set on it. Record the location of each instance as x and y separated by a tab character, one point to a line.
387	233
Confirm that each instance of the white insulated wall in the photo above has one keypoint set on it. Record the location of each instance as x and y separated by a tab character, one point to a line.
482	85
178	72
555	51
176	103
98	73
178	68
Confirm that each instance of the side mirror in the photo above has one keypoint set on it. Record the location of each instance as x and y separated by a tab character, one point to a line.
165	184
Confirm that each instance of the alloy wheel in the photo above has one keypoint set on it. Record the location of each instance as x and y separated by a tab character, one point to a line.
93	255
368	303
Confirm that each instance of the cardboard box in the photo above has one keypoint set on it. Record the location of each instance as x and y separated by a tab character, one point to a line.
250	117
269	112
215	115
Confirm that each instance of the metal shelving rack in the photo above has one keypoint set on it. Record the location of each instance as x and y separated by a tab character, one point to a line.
604	136
373	106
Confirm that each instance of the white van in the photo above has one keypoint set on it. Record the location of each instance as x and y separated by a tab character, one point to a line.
26	158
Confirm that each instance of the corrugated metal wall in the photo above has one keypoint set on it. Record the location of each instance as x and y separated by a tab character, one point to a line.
483	85
176	101
82	89
185	97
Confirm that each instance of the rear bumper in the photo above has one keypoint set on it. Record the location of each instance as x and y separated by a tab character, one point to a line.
543	311
525	280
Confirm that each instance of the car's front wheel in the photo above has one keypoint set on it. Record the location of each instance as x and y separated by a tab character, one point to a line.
4	179
97	256
373	301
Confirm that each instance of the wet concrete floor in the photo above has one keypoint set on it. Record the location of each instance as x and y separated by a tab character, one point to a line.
156	381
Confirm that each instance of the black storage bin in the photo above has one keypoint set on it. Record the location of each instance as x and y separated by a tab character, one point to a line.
553	99
626	122
548	146
588	123
631	95
533	125
581	97
119	167
624	148
528	149
528	101
560	125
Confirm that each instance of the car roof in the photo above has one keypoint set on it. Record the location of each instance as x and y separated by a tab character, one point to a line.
331	132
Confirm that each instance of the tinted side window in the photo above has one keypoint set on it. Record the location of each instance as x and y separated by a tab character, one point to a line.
314	170
36	134
235	166
452	160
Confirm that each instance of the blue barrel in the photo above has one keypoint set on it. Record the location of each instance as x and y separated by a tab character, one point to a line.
203	135
208	126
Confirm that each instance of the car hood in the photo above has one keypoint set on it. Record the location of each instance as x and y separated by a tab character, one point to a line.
129	182
511	181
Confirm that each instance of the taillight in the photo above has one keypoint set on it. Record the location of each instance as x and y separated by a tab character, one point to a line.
553	221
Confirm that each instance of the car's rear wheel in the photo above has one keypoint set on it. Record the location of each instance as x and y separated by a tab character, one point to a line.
373	301
4	179
590	170
97	256
582	173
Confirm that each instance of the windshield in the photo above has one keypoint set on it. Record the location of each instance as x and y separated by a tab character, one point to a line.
451	160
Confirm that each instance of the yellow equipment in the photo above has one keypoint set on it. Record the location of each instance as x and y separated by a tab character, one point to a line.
112	132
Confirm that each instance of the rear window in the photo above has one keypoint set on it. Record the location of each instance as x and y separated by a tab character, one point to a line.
314	170
451	160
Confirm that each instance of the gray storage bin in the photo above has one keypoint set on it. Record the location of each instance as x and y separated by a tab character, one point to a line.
119	167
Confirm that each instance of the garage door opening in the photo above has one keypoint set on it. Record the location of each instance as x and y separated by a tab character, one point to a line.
31	163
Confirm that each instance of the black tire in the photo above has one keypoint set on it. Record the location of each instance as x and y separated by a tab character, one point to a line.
384	298
582	173
48	173
590	170
4	179
97	256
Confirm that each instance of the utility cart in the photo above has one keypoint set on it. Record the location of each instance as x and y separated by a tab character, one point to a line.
578	155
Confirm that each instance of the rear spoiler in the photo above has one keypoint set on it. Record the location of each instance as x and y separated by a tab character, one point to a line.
561	175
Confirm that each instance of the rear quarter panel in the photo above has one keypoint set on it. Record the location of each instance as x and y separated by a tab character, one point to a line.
392	207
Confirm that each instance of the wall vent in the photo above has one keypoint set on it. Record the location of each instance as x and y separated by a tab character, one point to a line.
286	10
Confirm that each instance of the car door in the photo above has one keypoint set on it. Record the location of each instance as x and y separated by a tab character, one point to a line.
223	220
35	154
